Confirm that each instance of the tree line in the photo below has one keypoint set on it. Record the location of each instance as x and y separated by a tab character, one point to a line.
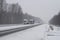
55	20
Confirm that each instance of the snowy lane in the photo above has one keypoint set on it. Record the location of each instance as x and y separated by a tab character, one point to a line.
35	33
17	29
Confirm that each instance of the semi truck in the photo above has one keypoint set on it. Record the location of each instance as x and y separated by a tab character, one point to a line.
30	21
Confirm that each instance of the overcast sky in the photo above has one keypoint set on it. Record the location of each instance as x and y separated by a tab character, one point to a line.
45	9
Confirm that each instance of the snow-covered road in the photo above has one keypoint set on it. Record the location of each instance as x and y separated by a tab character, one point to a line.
35	33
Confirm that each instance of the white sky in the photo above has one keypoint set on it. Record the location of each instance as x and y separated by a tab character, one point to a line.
44	9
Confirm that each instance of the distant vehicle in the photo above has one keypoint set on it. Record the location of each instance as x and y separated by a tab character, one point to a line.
26	21
31	21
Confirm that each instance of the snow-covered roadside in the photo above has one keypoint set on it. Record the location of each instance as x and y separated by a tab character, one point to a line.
54	34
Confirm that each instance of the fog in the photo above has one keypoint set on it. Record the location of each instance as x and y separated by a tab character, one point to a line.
45	9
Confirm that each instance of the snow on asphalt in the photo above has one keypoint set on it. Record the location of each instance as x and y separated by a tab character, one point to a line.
35	33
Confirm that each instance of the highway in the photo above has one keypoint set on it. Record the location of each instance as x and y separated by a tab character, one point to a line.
12	29
38	32
34	33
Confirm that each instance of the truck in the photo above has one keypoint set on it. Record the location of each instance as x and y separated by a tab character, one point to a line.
26	21
30	21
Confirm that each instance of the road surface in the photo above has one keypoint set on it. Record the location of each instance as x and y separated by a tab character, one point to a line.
35	33
12	29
